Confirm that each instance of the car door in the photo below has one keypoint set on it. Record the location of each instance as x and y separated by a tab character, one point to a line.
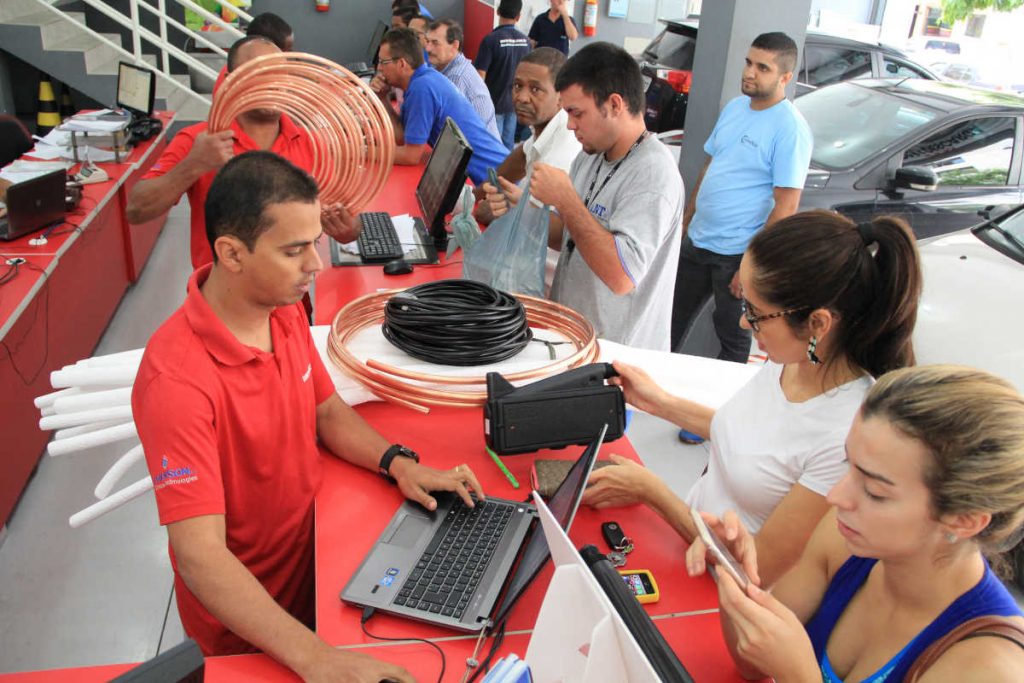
977	161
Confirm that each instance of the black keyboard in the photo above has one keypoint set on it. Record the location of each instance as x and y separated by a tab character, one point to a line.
448	572
378	240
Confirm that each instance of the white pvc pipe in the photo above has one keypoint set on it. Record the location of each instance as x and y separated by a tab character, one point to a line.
48	410
91	400
90	439
83	417
84	429
117	471
114	375
111	502
48	399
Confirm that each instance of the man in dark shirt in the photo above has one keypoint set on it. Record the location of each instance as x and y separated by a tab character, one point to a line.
555	28
497	59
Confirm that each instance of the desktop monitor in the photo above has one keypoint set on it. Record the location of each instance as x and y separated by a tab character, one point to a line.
439	188
136	88
375	38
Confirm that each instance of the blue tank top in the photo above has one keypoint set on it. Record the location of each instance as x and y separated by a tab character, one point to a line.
988	597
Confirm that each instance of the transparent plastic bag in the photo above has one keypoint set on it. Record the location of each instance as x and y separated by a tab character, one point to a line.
465	230
510	255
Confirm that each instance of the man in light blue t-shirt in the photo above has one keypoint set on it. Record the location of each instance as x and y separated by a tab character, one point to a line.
758	154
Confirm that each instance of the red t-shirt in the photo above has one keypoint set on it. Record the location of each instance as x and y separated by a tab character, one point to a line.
292	143
231	430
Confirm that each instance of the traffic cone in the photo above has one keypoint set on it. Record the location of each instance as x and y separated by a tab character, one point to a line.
47	118
67	107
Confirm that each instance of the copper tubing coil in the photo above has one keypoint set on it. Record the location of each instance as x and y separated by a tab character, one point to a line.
350	131
390	383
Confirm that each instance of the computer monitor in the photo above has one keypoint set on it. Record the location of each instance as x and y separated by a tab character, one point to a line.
439	188
136	88
374	48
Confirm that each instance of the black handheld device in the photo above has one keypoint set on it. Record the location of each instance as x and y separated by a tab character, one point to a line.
554	412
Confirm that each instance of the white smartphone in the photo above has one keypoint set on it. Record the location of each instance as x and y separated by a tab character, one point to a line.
719	551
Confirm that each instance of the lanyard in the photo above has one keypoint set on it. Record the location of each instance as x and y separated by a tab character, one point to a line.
571	244
590	191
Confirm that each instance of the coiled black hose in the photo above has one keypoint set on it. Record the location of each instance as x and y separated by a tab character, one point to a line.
456	322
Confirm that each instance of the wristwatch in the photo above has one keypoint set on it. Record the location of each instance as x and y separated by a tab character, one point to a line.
395	451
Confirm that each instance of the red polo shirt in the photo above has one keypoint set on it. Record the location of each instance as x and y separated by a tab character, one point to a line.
292	143
231	430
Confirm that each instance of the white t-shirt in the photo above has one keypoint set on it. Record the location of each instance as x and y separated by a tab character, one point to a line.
557	146
762	444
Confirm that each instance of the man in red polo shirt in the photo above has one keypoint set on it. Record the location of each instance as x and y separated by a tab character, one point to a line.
194	156
230	402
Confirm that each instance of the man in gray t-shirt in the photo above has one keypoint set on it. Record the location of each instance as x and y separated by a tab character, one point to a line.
618	214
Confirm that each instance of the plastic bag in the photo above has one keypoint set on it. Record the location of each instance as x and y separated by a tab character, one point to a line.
465	230
511	253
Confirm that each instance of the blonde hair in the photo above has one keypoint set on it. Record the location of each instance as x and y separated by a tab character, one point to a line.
972	423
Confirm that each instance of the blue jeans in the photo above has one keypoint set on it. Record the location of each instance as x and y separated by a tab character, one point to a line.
507	129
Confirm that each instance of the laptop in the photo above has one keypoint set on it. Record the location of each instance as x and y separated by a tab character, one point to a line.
419	569
34	204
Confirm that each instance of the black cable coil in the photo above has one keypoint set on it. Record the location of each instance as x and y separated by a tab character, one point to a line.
456	322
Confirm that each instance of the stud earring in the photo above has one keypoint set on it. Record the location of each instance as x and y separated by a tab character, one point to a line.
812	346
951	537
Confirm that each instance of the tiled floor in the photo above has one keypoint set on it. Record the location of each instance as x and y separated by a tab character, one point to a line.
102	593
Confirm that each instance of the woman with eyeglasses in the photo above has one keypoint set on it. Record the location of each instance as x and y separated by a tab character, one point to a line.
896	574
832	304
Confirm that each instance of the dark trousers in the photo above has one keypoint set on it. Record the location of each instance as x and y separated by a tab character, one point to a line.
701	274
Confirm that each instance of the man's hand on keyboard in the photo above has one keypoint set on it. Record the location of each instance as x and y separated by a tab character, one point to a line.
416	481
339	223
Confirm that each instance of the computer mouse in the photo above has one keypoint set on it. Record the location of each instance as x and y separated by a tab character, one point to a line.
397	267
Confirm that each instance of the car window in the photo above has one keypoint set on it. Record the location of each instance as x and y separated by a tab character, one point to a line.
894	68
972	152
827	65
672	50
851	123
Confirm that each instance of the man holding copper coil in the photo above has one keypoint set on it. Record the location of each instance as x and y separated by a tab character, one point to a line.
429	99
194	156
234	405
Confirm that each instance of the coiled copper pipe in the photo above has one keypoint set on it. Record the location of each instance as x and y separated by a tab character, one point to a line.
350	131
401	386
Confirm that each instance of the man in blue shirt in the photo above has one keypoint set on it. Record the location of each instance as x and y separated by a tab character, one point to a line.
444	50
554	28
496	61
758	154
430	98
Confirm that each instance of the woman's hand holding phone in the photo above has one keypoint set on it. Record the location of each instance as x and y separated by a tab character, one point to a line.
728	541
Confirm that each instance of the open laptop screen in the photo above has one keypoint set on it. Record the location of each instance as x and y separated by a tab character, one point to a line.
563	505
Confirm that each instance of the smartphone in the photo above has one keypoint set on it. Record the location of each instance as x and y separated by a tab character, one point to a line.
492	178
642	584
721	554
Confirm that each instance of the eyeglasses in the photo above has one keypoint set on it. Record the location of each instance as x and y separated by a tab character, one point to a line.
755	320
382	62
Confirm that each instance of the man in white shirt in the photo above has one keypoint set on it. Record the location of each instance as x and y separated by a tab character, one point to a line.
537	105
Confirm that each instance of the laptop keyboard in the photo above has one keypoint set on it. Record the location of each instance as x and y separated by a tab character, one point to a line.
378	240
448	572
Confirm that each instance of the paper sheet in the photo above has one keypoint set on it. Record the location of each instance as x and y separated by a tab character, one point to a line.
22	169
90	126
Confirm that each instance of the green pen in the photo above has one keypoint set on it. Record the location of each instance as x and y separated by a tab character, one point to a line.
501	466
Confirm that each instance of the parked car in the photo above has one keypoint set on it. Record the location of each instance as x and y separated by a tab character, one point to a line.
667	63
973	280
932	152
990	74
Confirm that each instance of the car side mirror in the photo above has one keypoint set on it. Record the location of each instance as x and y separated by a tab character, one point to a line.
920	178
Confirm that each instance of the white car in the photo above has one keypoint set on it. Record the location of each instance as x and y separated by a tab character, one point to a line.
973	293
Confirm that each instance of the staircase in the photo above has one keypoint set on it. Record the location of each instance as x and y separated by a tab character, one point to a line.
59	43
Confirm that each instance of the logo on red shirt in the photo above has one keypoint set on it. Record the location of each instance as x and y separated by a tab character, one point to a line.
173	477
